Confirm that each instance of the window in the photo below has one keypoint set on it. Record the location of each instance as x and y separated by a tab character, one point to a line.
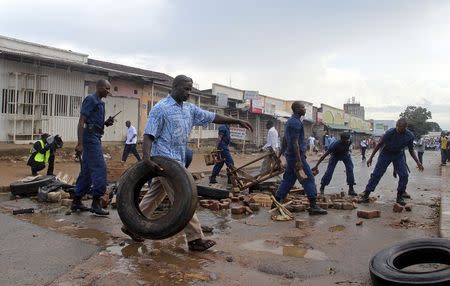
75	105
8	101
27	107
61	105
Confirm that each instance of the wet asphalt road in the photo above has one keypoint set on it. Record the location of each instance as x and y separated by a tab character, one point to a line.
253	250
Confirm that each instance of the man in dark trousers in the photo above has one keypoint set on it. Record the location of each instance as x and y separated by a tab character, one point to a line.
392	143
92	177
363	145
339	151
294	149
43	152
222	144
130	143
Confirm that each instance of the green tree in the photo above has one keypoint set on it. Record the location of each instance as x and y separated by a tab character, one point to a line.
434	127
417	119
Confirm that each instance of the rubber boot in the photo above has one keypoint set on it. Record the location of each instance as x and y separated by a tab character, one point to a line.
400	199
314	209
365	199
97	207
78	205
212	180
322	190
351	191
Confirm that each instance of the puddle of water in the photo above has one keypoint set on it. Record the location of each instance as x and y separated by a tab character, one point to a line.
285	250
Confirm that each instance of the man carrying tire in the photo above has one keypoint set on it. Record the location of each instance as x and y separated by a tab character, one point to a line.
92	177
393	142
166	134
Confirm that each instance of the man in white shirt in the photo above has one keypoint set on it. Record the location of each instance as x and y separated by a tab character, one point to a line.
130	143
363	145
311	143
272	142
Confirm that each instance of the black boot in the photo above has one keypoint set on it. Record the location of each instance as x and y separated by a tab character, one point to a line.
351	191
78	205
365	198
97	207
400	199
212	180
406	195
322	190
314	209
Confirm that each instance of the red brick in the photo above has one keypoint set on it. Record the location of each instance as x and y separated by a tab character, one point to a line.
254	206
397	208
214	206
347	206
224	205
248	210
238	210
368	214
408	208
235	199
359	223
300	223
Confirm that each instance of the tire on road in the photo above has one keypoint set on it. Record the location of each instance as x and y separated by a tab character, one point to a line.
386	266
212	193
183	206
20	188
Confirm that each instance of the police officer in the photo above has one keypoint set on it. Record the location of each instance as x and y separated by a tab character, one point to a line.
222	144
41	154
92	176
393	143
294	148
339	151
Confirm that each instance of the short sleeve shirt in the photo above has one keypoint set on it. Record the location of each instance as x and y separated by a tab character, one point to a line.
294	131
339	148
171	123
224	131
131	139
94	110
395	142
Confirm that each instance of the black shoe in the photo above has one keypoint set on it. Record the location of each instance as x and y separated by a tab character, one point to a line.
314	209
406	195
365	199
97	207
322	190
351	191
77	205
212	180
401	200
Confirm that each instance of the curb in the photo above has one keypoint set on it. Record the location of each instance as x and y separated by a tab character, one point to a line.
444	223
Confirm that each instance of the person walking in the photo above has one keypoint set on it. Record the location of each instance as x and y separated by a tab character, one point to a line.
92	177
444	145
273	142
130	143
294	149
223	143
339	151
392	144
420	146
363	145
166	134
311	143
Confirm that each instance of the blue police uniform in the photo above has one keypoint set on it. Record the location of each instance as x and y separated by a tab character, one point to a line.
294	131
224	130
339	152
392	152
93	168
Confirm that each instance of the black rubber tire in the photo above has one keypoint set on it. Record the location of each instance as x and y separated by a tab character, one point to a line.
212	193
19	188
171	223
386	266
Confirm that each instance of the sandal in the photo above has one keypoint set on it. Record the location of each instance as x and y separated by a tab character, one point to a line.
201	244
133	236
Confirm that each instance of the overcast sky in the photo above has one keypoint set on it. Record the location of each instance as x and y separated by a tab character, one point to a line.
388	54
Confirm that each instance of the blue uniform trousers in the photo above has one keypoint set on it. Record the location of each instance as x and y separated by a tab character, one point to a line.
225	153
347	160
289	178
384	159
92	176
